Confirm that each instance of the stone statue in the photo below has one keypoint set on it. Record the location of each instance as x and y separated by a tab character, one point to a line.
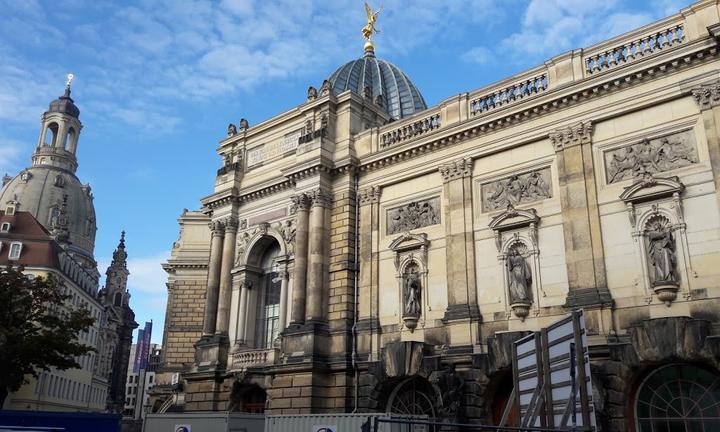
244	125
232	130
380	101
412	293
312	93
367	92
288	232
326	88
661	252
519	277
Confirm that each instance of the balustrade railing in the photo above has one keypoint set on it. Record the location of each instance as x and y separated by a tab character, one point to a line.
635	48
413	128
505	95
244	359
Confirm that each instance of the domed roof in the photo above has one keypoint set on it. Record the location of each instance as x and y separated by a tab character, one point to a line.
402	98
42	190
64	104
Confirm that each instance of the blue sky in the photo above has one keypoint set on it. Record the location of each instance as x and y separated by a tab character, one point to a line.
157	82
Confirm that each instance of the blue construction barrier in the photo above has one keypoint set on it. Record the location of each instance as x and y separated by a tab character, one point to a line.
27	421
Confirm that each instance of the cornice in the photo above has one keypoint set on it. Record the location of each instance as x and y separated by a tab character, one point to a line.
551	101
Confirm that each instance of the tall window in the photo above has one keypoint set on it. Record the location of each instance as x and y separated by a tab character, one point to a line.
15	249
678	397
270	305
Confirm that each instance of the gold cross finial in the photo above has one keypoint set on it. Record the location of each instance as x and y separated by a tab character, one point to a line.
69	80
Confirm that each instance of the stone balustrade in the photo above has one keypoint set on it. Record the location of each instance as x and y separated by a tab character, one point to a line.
633	47
506	94
409	129
258	357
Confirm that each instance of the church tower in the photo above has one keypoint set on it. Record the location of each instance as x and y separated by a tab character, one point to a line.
50	188
119	328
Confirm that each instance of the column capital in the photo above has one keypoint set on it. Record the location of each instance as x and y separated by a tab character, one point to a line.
369	195
217	227
301	201
577	134
457	168
707	95
231	223
321	197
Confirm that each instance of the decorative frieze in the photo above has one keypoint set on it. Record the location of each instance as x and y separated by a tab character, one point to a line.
417	214
707	95
369	195
517	189
650	157
580	133
458	168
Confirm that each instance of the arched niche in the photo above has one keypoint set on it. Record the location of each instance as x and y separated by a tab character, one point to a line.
50	134
411	265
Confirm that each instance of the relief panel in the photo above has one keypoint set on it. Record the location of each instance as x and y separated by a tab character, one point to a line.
517	189
417	214
650	156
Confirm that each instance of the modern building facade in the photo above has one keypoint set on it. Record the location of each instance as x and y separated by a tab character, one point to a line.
48	226
365	252
139	382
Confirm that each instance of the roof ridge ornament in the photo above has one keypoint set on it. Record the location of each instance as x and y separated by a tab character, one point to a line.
370	28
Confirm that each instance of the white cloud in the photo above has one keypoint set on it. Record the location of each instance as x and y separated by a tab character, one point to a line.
478	55
10	152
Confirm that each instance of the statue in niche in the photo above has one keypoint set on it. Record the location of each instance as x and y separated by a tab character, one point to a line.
412	292
661	252
519	277
232	130
312	93
288	232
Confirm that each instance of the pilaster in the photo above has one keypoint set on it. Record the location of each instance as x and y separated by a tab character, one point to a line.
460	251
317	256
368	325
707	97
584	254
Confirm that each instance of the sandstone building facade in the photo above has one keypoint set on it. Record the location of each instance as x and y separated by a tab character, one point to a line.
48	226
365	252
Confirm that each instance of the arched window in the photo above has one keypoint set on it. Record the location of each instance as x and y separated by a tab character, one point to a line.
70	139
117	301
413	396
270	303
51	134
678	398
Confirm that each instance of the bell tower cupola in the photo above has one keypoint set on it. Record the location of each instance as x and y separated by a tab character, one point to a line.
57	145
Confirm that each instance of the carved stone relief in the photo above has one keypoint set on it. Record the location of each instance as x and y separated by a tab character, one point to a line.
650	157
517	189
417	214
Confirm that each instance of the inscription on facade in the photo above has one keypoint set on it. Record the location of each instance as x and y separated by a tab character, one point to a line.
650	157
271	150
517	189
416	214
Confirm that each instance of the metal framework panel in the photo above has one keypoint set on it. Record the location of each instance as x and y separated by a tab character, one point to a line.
551	371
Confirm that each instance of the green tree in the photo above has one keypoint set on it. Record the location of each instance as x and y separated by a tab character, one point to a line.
38	329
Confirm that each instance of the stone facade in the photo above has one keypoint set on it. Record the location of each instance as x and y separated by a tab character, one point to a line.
376	260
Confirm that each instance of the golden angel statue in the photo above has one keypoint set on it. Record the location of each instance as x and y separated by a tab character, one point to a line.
369	28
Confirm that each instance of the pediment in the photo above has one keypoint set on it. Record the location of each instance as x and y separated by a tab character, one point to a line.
409	241
649	187
514	218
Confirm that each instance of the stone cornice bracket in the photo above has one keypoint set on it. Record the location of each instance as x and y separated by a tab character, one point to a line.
301	201
577	134
707	95
369	195
217	227
458	168
321	197
231	223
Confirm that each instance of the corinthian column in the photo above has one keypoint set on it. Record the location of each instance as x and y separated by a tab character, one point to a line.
228	253
213	283
282	321
301	205
316	268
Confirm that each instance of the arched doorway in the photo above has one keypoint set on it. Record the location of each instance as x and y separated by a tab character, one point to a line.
414	396
678	398
247	398
501	394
